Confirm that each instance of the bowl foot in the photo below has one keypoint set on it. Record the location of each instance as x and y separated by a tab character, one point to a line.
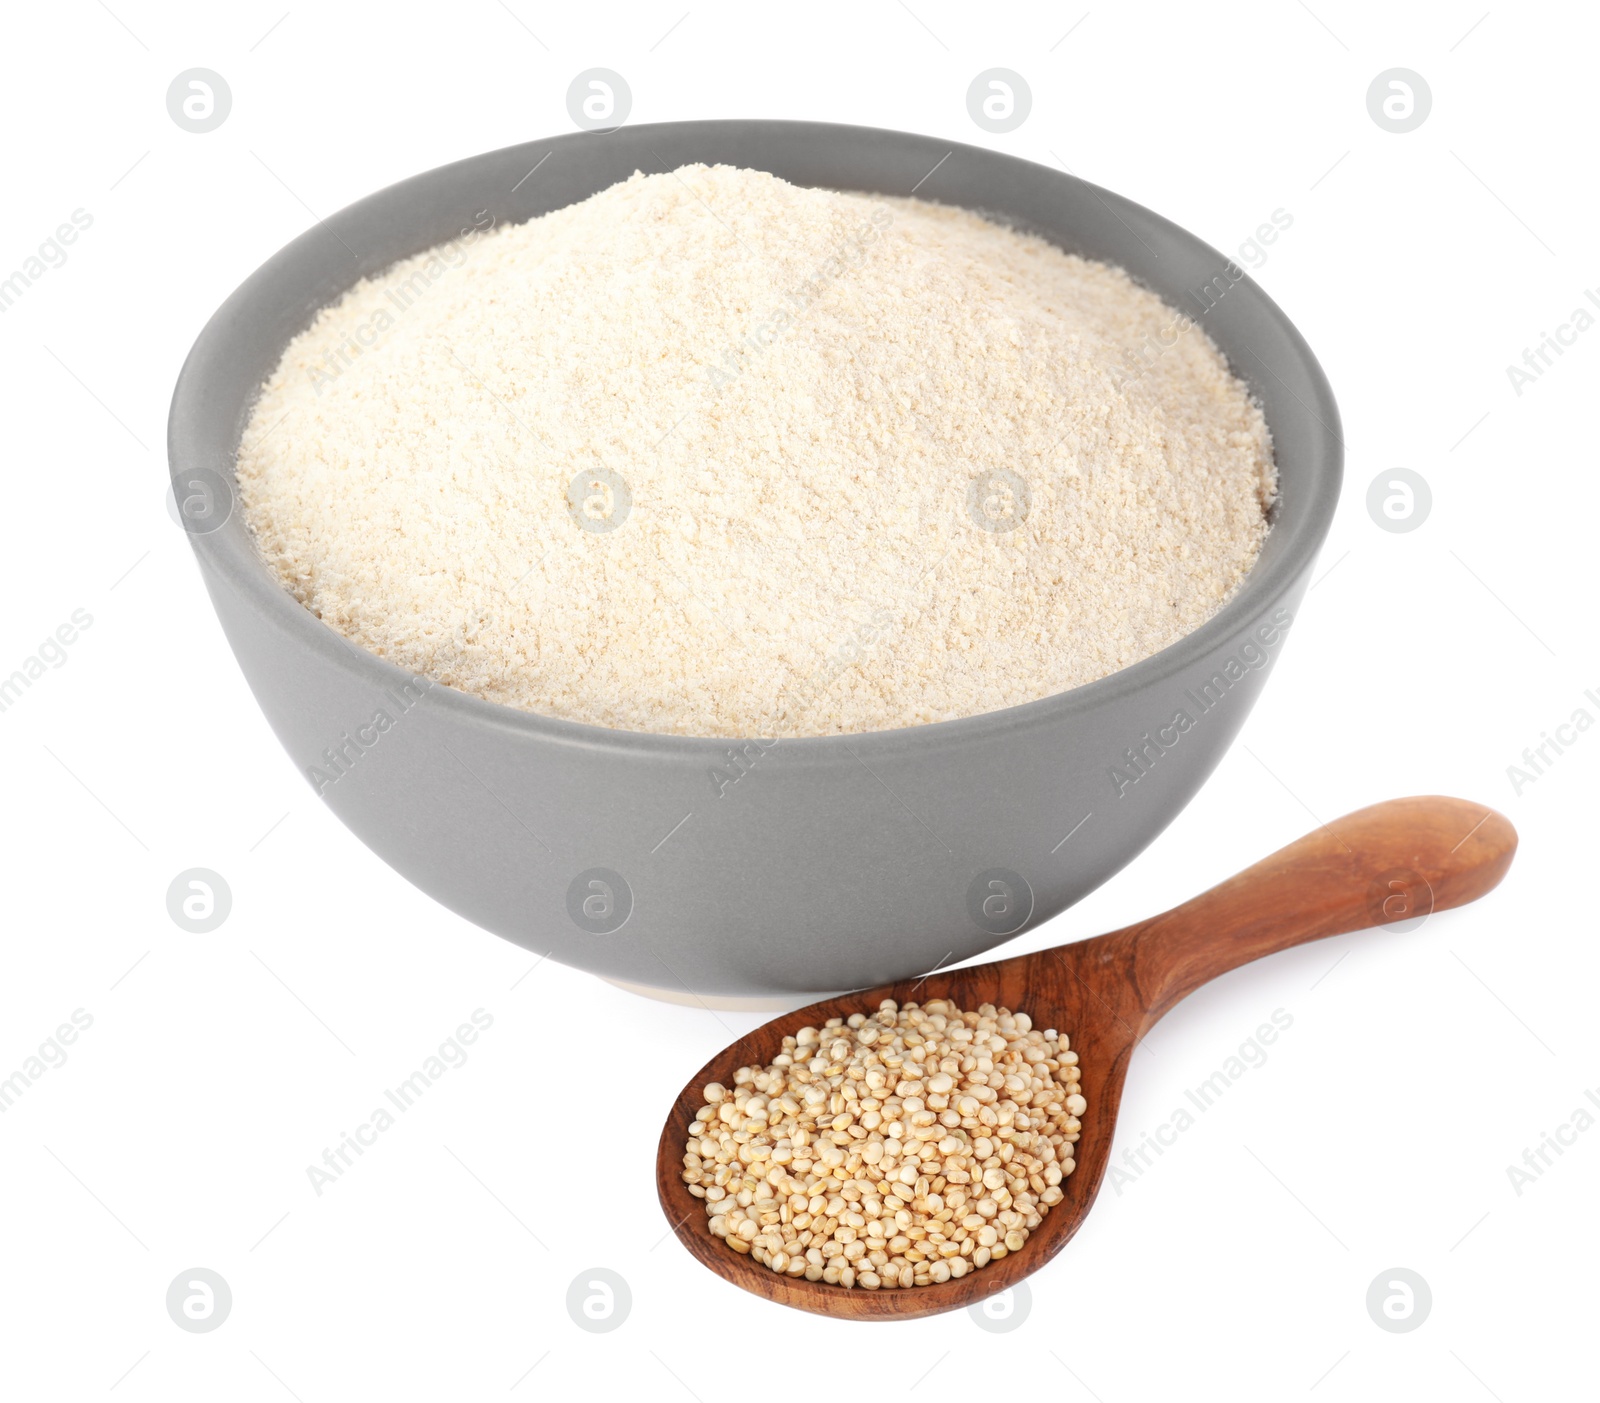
725	1003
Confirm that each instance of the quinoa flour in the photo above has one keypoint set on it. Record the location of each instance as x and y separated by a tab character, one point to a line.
712	454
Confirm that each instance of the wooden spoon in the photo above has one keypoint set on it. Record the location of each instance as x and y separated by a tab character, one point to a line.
1391	862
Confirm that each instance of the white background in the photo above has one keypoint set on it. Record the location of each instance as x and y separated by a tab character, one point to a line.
1376	1135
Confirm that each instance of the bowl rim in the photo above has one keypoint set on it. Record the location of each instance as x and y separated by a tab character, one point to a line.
1300	526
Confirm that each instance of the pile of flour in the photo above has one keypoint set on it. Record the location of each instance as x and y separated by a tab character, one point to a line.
712	454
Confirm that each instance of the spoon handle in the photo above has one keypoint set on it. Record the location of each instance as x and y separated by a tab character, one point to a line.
1395	861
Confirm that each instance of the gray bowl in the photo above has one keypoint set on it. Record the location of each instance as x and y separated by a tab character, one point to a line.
832	862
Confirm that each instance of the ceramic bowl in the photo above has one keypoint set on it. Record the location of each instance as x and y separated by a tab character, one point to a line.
832	862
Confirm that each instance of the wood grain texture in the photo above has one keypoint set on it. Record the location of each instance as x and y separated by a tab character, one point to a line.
1387	863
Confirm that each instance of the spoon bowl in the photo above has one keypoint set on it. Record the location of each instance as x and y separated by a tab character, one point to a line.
1392	862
